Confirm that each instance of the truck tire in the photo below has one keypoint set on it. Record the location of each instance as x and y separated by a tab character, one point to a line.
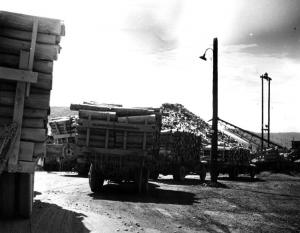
202	174
179	174
145	184
95	179
7	194
233	173
25	194
154	175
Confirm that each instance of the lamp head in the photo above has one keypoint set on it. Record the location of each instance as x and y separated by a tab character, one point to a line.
203	57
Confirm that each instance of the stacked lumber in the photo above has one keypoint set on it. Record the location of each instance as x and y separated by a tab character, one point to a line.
28	47
113	127
63	128
180	146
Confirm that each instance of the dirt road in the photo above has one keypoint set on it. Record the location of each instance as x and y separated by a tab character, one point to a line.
64	203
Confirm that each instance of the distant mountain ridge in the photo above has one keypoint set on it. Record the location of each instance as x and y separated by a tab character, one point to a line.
282	138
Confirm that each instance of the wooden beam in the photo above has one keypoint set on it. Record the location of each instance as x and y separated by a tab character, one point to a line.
113	151
59	136
18	75
25	22
18	114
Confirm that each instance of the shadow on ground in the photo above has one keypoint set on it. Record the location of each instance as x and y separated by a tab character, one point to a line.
189	181
241	179
46	218
127	192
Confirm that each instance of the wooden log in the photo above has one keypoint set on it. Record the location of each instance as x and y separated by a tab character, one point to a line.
35	101
12	61
25	22
17	75
6	111
27	122
26	151
26	36
43	84
42	51
116	126
119	111
151	119
96	115
33	135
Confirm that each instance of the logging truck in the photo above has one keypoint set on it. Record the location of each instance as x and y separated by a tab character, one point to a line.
232	161
179	155
28	46
118	143
60	145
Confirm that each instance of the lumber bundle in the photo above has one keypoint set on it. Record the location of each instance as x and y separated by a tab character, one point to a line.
28	47
63	129
112	127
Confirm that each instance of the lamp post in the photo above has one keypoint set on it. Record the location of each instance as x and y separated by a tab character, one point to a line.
214	140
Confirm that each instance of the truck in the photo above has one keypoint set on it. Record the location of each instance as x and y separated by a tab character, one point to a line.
60	146
232	161
118	143
179	155
28	47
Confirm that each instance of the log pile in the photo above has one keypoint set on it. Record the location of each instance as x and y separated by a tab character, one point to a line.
28	44
114	127
63	129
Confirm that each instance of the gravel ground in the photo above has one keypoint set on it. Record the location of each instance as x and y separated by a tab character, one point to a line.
64	203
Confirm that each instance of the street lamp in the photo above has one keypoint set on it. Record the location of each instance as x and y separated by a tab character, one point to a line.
214	139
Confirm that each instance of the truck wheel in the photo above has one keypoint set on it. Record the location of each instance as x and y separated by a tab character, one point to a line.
154	175
95	179
25	194
179	175
7	194
145	184
252	173
233	173
202	174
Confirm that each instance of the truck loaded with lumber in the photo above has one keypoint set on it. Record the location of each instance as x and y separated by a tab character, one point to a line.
232	160
182	136
60	145
28	47
118	143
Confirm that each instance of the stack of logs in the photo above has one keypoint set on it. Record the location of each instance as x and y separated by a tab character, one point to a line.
37	38
115	127
63	128
182	134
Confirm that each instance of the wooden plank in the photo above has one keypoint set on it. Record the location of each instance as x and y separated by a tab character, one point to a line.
12	61
26	151
96	115
119	110
43	51
59	136
33	135
18	114
25	22
151	119
32	51
26	167
35	101
27	122
98	124
6	111
24	35
18	75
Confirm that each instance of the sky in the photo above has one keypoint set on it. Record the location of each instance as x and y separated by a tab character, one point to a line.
145	53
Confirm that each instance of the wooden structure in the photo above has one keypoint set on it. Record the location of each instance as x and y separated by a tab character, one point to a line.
118	142
28	46
60	150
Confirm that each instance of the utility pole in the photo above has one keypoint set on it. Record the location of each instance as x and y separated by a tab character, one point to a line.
266	77
214	140
269	97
